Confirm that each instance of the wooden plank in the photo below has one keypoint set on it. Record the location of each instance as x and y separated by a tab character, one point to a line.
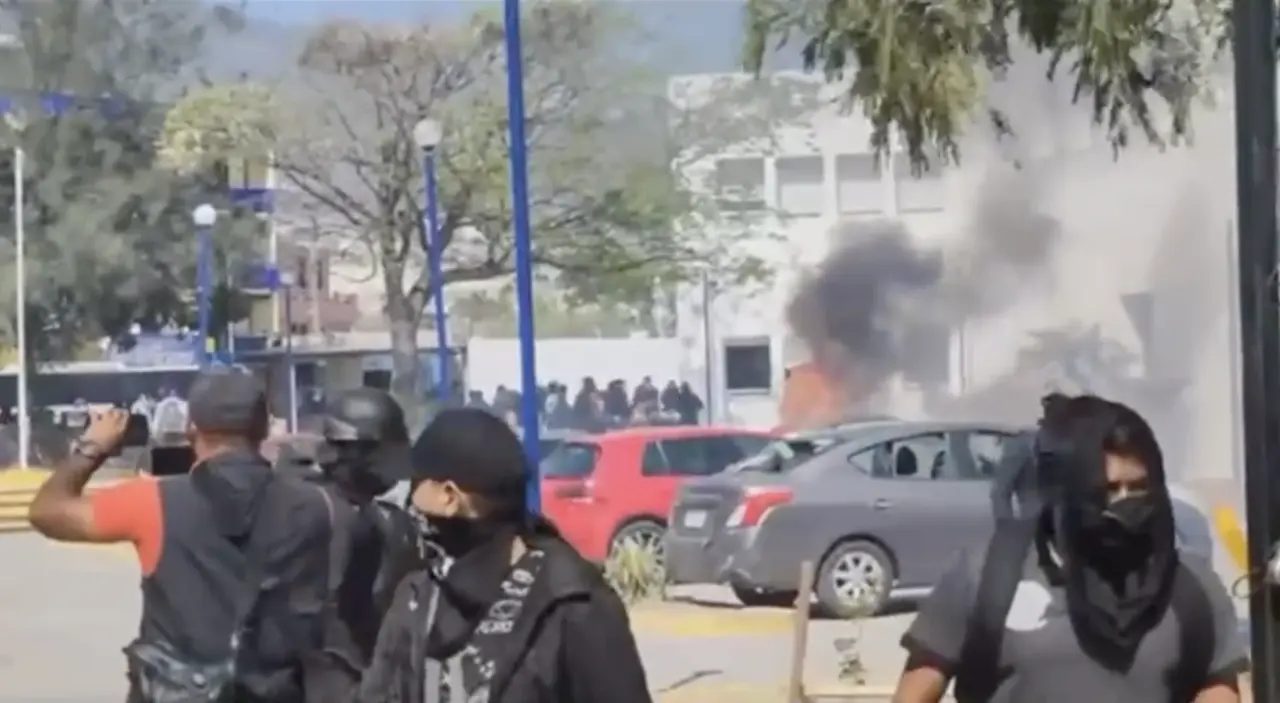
800	634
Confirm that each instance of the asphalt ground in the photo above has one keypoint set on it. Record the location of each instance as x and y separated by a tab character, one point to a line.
66	611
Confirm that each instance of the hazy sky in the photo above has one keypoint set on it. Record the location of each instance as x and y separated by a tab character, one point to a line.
694	35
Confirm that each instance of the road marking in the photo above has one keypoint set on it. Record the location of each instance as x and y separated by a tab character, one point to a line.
22	479
1231	533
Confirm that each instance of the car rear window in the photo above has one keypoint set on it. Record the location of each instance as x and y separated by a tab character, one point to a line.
570	460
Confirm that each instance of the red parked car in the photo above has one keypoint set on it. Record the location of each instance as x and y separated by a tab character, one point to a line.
602	490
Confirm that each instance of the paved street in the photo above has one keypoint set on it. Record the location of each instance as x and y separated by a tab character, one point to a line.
66	611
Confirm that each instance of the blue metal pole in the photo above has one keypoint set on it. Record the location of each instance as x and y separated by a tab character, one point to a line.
204	292
435	259
523	249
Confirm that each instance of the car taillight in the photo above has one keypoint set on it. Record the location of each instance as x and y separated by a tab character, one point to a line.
573	490
756	504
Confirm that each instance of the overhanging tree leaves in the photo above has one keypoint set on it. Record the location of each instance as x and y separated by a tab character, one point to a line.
108	232
611	216
921	67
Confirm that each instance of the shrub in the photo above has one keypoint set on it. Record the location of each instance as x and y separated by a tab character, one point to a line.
851	667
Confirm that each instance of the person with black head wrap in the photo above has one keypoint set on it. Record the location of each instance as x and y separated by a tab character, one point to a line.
506	611
1101	604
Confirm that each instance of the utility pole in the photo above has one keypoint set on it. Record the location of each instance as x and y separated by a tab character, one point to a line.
1257	255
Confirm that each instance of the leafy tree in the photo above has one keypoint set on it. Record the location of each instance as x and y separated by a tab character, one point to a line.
1078	355
922	68
612	218
108	232
481	315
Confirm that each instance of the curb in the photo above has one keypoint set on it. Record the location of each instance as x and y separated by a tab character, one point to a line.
17	489
701	692
14	503
679	620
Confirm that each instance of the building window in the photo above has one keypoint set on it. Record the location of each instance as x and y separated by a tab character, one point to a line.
859	186
740	184
247	172
921	191
305	265
801	190
748	366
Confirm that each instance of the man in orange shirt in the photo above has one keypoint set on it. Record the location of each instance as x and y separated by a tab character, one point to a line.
227	551
128	511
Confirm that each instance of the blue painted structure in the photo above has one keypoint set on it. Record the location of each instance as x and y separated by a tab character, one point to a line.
523	249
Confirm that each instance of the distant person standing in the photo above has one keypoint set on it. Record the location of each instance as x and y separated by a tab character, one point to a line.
475	399
689	405
670	398
645	392
144	405
170	419
77	418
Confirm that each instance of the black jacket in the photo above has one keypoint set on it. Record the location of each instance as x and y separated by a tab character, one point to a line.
571	644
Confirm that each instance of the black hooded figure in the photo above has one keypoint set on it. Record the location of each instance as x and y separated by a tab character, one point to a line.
365	453
505	611
1113	546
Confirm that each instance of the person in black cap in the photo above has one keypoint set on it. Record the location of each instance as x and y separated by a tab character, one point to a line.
234	558
365	453
505	611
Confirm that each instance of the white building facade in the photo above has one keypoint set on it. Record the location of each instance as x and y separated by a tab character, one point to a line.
1150	222
797	183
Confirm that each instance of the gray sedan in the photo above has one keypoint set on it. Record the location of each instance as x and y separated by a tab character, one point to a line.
881	515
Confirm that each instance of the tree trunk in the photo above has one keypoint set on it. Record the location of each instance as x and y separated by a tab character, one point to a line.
403	320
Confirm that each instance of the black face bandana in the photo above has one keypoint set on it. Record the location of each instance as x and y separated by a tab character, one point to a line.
469	560
359	468
1119	558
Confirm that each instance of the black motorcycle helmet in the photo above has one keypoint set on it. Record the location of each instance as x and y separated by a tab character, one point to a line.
366	440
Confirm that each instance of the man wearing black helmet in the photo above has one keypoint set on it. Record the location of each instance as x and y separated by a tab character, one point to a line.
365	452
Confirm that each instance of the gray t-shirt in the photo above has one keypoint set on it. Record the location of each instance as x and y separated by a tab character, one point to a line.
1040	658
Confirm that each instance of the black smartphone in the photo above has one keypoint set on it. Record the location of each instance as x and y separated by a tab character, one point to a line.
138	432
171	461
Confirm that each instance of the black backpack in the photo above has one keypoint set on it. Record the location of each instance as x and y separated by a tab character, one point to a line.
978	675
163	675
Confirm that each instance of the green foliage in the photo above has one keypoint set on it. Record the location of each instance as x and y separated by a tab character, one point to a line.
612	220
108	232
920	68
635	572
495	316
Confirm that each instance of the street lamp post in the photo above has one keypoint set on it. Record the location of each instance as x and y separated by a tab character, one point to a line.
204	217
523	247
20	280
286	279
1257	253
427	135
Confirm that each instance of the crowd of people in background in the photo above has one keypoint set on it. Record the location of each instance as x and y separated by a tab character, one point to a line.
595	409
591	408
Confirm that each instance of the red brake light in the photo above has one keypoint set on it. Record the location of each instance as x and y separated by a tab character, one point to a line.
573	490
756	504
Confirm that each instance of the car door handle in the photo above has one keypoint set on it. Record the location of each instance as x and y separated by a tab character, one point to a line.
881	504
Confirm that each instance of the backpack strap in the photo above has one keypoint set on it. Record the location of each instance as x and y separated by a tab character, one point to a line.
1196	635
337	547
977	672
433	670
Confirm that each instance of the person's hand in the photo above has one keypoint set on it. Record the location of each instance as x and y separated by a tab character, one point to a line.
107	429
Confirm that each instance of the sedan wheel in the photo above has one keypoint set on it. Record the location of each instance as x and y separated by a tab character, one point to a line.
644	535
855	580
